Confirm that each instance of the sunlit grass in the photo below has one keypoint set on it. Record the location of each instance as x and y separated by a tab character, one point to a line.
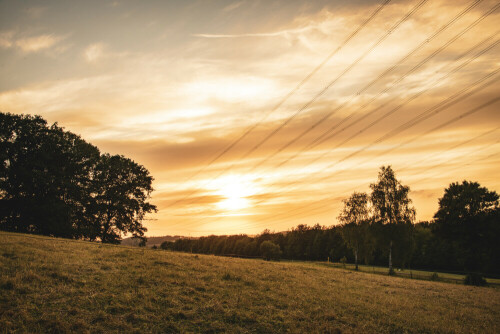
55	285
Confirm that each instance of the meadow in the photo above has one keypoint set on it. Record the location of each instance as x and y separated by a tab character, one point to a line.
50	285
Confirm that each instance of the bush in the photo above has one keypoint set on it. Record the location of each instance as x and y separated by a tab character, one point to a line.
434	277
167	245
474	279
270	251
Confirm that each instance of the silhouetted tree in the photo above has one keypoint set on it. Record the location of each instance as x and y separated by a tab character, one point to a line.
44	177
121	189
392	207
354	216
468	217
54	183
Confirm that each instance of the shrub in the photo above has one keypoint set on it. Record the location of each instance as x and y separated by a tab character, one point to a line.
270	251
434	277
474	279
166	245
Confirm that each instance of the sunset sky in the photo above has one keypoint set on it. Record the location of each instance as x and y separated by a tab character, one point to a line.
265	114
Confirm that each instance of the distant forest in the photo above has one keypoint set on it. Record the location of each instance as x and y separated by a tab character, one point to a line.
378	229
52	182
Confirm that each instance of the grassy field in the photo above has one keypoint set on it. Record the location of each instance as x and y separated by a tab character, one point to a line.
53	285
416	274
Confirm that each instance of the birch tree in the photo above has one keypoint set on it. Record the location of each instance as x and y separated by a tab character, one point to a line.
392	207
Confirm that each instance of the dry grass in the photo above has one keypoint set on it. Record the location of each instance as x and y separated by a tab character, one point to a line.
53	285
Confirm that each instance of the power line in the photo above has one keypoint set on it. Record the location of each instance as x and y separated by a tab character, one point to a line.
385	73
468	113
322	208
446	103
450	43
293	91
320	93
462	65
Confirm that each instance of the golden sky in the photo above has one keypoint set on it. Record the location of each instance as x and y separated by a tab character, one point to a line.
325	91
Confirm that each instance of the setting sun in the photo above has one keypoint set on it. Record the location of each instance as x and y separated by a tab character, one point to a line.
235	191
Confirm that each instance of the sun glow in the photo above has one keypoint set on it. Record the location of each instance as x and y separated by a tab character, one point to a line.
235	189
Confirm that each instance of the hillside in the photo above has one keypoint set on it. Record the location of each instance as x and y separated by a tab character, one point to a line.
57	285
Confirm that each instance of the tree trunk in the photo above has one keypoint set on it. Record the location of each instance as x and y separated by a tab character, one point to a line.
356	257
390	257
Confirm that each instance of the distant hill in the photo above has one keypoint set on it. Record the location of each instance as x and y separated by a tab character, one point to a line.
152	241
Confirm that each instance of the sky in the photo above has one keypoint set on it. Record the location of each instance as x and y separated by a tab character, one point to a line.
256	115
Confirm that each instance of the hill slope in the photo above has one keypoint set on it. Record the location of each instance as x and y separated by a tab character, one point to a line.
55	285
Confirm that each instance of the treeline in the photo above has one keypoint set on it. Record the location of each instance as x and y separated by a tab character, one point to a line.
379	228
52	182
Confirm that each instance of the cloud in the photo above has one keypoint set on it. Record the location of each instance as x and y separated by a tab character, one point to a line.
283	33
6	39
50	43
94	52
37	43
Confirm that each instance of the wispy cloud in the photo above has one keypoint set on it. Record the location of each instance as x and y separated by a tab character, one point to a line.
282	33
94	52
6	39
37	43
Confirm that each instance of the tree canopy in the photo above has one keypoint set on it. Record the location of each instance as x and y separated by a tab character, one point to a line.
465	200
52	182
468	219
390	200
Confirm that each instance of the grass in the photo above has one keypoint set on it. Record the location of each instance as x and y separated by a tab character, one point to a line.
417	274
55	286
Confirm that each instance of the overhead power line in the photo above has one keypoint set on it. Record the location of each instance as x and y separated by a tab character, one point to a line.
405	102
325	136
320	93
442	125
293	91
445	104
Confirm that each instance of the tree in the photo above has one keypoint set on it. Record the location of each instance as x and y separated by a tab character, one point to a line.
270	251
120	193
354	217
468	218
44	177
52	182
392	207
461	202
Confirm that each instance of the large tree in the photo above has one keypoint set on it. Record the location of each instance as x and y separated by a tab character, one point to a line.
392	208
468	218
52	182
354	216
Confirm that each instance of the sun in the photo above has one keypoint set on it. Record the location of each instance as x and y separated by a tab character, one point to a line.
235	190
